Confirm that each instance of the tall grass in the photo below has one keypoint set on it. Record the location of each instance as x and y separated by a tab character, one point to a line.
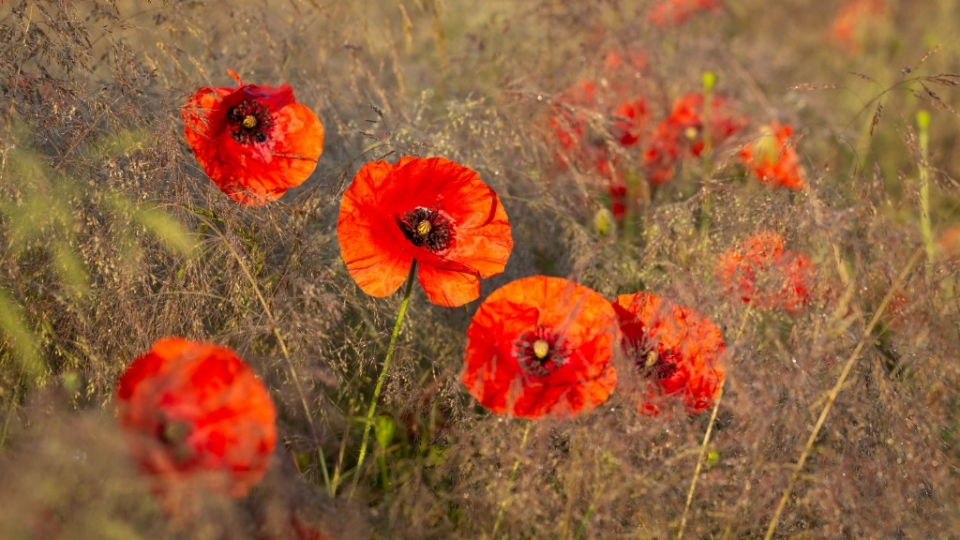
839	422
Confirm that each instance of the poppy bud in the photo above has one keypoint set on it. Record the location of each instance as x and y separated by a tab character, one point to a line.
603	221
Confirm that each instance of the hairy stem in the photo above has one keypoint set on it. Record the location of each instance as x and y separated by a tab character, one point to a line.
383	374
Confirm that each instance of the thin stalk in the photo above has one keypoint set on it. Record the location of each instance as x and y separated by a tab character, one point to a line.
383	375
706	437
835	391
696	471
923	132
583	524
273	322
513	477
13	403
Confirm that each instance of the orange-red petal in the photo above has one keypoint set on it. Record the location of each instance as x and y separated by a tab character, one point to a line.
762	274
253	173
378	255
194	414
687	347
583	320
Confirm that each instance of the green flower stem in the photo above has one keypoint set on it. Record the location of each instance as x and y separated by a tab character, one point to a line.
383	374
709	80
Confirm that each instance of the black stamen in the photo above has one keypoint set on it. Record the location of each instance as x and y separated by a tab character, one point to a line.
427	228
249	122
655	363
541	351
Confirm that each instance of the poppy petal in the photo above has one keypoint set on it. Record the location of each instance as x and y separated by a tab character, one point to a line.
467	235
368	239
576	329
194	412
446	288
676	350
254	142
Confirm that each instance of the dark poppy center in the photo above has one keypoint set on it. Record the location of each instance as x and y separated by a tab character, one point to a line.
427	228
174	434
655	363
249	122
541	351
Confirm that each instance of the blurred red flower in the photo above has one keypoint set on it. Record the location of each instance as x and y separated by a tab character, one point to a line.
762	274
615	66
683	129
254	142
618	201
579	145
303	531
630	121
676	350
773	159
195	414
661	154
432	210
584	146
541	346
853	22
687	118
676	12
569	116
949	241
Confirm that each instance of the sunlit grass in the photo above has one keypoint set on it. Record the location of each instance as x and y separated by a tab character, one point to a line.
113	237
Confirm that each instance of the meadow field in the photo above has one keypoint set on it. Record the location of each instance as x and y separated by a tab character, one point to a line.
718	255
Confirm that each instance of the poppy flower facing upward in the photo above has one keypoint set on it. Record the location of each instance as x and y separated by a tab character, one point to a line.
676	352
541	346
434	211
254	142
759	272
195	414
773	159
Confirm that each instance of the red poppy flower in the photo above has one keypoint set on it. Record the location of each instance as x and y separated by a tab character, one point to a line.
195	413
618	201
630	121
683	130
432	210
762	274
676	350
541	346
676	12
687	117
854	21
949	241
569	114
661	154
773	158
254	142
577	145
614	65
586	148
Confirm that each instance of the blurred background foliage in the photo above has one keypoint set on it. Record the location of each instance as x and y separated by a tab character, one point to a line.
112	237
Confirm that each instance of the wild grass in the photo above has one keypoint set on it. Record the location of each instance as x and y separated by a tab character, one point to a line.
840	422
